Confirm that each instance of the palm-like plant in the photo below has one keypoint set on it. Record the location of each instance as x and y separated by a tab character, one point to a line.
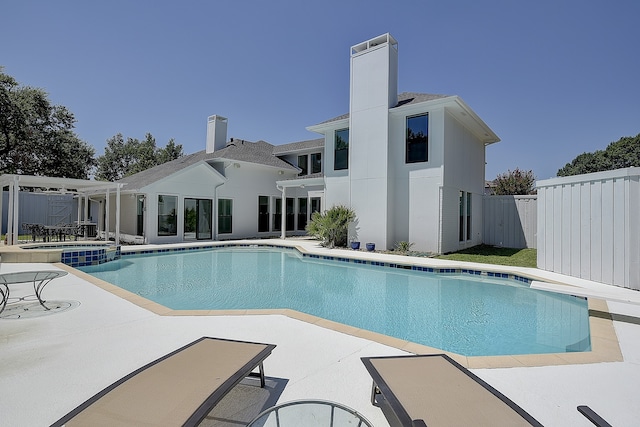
331	227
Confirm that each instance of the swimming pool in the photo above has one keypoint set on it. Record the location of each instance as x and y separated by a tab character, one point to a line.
473	315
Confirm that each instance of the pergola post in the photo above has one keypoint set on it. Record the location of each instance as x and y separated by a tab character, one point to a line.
9	235
16	203
118	187
106	215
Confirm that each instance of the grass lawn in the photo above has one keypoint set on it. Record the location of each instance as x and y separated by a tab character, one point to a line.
492	255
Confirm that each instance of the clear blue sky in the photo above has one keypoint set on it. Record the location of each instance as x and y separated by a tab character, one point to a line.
553	79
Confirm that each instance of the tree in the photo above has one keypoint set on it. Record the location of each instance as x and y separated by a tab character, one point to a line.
38	138
331	226
623	153
122	158
516	182
171	151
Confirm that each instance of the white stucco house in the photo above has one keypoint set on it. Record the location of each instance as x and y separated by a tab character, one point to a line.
411	165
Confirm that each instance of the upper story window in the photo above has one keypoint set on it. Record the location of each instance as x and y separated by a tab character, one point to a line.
341	152
316	162
417	139
302	164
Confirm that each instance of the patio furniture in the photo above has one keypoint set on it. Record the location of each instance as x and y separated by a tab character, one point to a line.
39	279
177	389
313	412
436	390
592	416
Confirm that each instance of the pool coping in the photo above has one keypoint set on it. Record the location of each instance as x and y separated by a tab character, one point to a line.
604	341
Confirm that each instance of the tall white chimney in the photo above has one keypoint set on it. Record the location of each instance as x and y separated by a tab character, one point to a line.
216	133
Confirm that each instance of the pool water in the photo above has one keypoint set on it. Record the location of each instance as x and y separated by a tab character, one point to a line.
465	314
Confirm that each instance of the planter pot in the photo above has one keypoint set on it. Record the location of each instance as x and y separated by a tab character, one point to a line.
355	245
371	246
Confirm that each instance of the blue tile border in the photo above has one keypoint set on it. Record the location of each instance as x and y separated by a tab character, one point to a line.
92	256
417	268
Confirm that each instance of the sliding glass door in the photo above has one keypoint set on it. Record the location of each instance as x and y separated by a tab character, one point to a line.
197	218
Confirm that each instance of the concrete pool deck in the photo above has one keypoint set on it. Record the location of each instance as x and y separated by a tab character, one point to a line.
50	364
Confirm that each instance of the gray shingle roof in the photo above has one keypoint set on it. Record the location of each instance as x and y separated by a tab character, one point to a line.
260	152
279	150
405	98
156	173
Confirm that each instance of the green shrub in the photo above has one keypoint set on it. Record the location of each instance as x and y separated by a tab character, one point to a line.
403	246
331	227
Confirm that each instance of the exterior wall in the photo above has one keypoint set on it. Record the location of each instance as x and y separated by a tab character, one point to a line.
243	186
463	170
414	203
196	182
510	221
128	214
588	226
336	181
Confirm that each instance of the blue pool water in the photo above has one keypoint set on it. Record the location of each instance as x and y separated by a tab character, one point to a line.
465	314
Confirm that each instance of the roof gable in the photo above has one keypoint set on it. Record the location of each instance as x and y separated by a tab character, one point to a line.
405	98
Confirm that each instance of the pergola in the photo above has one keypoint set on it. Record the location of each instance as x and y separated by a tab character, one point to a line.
79	186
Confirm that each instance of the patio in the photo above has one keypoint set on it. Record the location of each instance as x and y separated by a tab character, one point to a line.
50	364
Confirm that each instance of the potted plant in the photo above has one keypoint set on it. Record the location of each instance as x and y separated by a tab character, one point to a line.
371	247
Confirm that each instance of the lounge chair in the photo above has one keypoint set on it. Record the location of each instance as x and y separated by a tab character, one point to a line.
435	390
177	389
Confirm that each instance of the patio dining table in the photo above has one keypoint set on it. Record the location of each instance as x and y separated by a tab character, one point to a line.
39	279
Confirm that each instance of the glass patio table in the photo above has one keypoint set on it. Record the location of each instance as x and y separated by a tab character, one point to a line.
39	279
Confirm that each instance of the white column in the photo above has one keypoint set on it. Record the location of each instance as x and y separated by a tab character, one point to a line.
16	205
9	235
79	197
85	215
283	216
1	214
118	214
106	216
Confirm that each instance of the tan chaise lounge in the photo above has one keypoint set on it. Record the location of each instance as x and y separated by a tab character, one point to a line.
178	389
435	390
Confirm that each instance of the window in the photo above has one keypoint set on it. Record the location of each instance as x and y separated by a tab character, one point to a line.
302	164
167	217
263	214
290	214
225	216
139	215
302	213
316	162
464	228
341	153
197	218
315	205
417	139
277	216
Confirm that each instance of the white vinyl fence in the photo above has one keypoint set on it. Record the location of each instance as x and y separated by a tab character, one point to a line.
510	221
589	226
